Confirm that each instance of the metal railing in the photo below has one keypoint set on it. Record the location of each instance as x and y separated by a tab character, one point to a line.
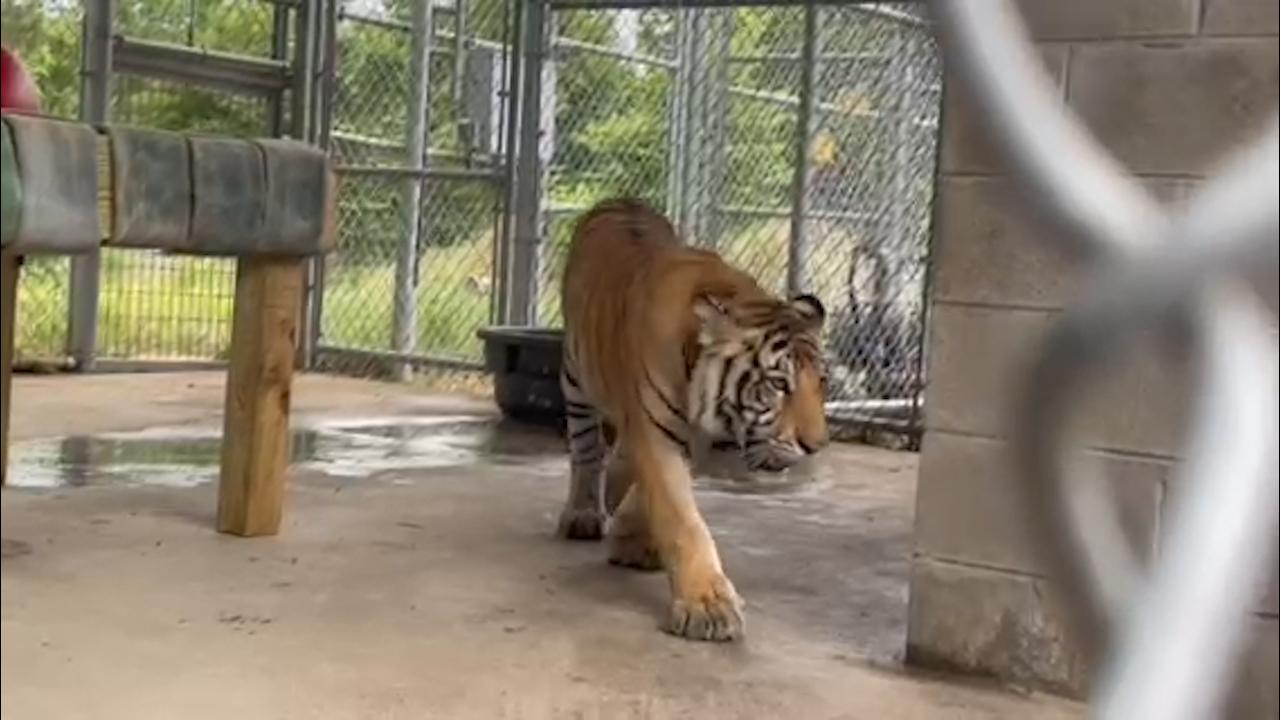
1165	639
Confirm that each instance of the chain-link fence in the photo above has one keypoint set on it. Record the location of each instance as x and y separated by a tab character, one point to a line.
417	122
800	144
798	141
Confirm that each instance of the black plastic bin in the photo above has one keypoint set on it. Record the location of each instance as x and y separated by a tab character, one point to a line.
525	363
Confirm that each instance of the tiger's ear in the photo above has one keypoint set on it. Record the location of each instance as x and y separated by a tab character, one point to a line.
810	308
716	323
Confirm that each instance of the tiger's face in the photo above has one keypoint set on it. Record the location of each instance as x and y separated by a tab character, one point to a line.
758	381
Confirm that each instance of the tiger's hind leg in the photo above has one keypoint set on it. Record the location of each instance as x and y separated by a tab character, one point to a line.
630	542
583	516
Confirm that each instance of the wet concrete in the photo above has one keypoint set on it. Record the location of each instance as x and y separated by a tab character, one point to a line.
188	456
417	576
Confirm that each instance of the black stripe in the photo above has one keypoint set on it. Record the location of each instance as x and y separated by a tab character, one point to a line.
671	435
725	367
740	388
572	380
580	407
671	408
583	432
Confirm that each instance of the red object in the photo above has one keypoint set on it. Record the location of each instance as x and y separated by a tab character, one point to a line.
18	91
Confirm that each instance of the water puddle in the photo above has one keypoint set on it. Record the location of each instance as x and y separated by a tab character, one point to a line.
189	456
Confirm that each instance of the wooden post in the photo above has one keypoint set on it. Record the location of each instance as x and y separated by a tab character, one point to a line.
10	266
255	436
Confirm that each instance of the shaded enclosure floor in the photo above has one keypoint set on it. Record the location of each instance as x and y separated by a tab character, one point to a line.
416	575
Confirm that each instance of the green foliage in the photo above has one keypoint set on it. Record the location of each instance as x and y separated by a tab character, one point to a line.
47	38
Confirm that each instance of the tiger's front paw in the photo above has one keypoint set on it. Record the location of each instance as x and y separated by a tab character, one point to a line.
708	611
580	524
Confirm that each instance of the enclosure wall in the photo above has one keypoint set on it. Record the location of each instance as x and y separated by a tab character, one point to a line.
1167	86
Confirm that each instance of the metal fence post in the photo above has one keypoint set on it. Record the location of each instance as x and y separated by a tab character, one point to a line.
798	244
95	107
528	192
706	113
405	315
504	240
678	125
303	119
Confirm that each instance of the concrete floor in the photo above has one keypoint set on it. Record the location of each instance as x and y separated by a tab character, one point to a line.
416	576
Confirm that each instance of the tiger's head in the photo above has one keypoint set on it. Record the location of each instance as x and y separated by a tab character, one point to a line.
758	378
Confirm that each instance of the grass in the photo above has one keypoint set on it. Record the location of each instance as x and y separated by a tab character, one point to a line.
155	306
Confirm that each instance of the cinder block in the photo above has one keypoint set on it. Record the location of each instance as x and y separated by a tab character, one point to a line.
964	145
1241	17
990	623
977	360
968	503
1108	19
976	357
1174	108
987	253
1143	405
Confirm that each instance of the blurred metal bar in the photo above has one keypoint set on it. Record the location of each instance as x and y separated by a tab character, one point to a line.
1166	640
798	242
95	107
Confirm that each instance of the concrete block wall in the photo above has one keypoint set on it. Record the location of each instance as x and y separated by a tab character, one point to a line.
1169	86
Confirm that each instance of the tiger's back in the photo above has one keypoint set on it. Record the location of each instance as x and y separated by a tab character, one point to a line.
627	298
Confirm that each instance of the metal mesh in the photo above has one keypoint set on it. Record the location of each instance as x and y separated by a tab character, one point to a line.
607	103
389	296
698	111
154	305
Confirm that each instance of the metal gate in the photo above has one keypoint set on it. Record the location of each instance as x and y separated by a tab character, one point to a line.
419	109
799	141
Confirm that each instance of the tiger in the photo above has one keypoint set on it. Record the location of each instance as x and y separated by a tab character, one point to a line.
668	349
